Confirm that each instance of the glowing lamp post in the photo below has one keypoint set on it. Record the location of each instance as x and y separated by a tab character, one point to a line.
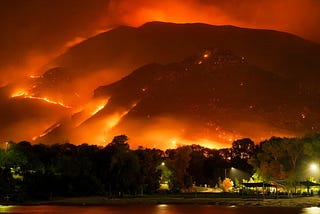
314	168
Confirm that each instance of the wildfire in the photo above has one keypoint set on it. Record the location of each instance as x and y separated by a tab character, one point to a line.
114	119
74	41
90	110
206	54
166	141
19	93
49	101
25	94
34	76
102	128
46	131
97	109
303	115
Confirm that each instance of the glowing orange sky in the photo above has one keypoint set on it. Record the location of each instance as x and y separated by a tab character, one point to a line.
36	31
295	16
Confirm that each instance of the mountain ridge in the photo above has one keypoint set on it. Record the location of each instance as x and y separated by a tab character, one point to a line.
215	90
109	56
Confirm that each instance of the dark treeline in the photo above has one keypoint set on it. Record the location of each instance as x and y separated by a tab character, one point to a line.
42	171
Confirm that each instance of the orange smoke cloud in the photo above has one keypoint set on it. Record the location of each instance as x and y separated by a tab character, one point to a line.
55	26
295	16
133	13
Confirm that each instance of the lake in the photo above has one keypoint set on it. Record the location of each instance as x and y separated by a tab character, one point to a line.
155	209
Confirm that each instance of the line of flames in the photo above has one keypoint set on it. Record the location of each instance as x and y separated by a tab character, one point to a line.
26	95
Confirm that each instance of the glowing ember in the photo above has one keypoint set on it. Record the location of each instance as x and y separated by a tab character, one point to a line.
34	76
302	115
206	54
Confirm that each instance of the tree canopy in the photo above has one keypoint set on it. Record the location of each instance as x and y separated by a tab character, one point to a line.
116	170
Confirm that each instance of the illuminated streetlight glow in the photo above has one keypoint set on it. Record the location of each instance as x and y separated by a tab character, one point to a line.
314	167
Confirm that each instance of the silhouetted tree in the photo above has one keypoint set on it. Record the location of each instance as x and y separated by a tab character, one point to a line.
149	174
7	183
123	167
178	163
242	150
196	164
215	166
279	158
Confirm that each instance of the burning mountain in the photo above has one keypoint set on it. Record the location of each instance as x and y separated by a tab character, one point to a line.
109	56
23	117
242	83
214	97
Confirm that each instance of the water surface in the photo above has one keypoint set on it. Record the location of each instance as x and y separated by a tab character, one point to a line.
156	209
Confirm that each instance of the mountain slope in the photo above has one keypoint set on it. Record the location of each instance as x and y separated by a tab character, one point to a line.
24	118
213	97
111	55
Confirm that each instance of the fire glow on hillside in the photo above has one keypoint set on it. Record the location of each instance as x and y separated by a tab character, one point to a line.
21	93
23	51
70	61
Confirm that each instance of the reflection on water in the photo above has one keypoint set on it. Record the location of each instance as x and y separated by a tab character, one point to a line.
311	210
155	209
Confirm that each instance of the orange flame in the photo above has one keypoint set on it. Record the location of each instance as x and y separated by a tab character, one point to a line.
97	109
47	131
25	95
114	119
91	109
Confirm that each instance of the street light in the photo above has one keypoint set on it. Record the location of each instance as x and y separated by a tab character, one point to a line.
314	168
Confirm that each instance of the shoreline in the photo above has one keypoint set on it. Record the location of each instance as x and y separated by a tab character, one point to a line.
299	202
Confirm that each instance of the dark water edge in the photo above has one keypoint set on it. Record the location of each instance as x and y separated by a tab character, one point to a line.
297	202
156	209
167	205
